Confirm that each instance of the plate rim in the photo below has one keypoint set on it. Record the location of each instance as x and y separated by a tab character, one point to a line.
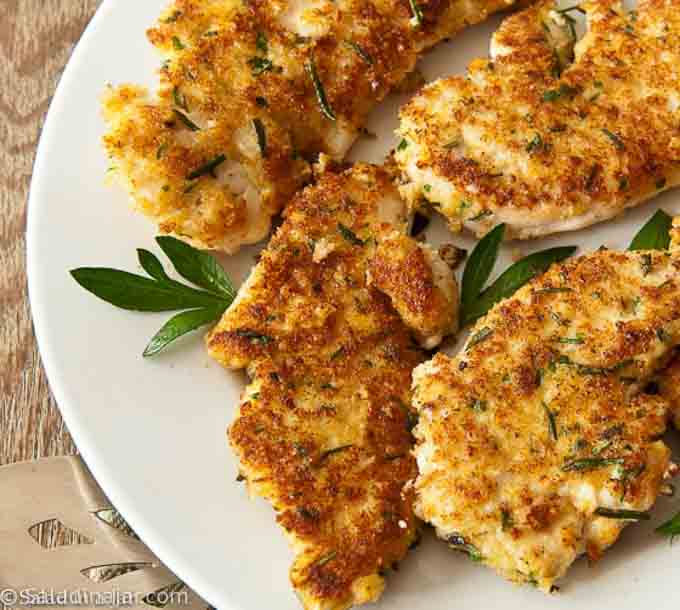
145	529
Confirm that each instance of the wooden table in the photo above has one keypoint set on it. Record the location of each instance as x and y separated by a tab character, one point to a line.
36	40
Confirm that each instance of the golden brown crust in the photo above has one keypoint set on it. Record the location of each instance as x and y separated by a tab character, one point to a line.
538	421
668	382
420	285
323	429
545	142
229	64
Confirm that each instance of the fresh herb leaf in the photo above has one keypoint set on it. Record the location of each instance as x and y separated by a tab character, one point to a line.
479	267
654	235
207	168
325	559
349	235
177	43
535	144
403	144
254	337
137	293
197	267
150	263
628	515
325	107
516	276
360	51
671	527
162	293
571	340
186	120
180	325
261	137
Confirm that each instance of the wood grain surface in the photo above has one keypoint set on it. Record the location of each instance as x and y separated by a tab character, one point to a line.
36	40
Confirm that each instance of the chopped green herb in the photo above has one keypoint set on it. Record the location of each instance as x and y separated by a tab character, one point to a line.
536	144
208	168
417	19
336	354
360	51
261	43
180	100
326	454
628	515
254	337
325	107
646	263
571	340
261	137
478	337
563	90
349	235
186	120
325	559
553	290
459	543
403	144
259	65
586	464
506	520
177	43
482	214
478	406
427	188
616	140
552	424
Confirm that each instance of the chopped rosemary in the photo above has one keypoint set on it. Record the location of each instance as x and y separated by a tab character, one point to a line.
261	43
628	515
186	120
478	405
482	214
478	337
553	290
616	140
325	107
417	19
325	559
349	235
259	65
254	337
535	144
208	168
564	90
552	424
457	542
360	51
571	340
180	100
586	464
326	454
261	137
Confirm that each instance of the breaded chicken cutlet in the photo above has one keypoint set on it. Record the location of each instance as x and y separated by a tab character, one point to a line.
535	444
550	134
250	92
323	429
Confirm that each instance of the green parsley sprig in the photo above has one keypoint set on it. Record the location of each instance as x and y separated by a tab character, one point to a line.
159	292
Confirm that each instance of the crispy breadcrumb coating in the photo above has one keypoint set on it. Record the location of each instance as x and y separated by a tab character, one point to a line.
323	429
250	93
535	440
550	134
